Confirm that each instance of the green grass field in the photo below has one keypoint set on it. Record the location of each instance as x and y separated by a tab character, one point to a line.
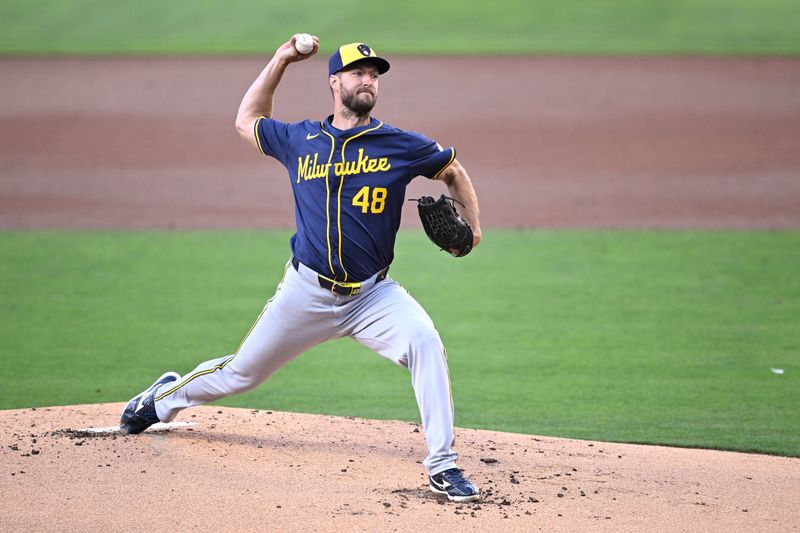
662	337
413	26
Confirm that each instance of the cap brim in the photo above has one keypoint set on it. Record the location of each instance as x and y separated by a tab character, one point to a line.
380	63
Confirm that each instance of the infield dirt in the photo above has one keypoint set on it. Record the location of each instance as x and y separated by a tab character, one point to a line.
249	470
549	142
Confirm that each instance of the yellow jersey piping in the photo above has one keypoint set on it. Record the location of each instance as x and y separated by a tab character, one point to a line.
452	156
341	183
255	132
327	201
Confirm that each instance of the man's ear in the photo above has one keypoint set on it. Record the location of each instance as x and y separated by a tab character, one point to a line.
333	84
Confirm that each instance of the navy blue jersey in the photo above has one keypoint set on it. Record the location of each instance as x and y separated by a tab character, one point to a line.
349	187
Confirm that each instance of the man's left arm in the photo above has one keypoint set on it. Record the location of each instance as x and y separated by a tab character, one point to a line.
460	187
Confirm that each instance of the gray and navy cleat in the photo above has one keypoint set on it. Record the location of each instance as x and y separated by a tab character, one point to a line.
140	413
454	485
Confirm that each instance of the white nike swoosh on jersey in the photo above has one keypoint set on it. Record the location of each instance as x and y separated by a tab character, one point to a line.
309	136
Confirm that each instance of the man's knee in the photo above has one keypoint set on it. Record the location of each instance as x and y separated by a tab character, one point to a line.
240	380
424	343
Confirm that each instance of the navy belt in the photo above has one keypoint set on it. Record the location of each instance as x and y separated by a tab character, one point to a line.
342	288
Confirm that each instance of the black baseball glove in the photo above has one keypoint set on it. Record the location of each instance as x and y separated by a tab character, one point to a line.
444	226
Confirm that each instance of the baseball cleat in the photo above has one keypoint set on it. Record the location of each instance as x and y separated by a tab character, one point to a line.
140	413
454	485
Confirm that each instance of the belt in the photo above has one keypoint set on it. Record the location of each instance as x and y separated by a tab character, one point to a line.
343	288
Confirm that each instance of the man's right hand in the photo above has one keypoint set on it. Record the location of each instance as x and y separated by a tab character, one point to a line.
287	53
257	101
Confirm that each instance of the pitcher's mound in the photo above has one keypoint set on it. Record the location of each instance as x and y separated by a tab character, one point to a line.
222	469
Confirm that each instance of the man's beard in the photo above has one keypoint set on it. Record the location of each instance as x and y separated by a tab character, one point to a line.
360	107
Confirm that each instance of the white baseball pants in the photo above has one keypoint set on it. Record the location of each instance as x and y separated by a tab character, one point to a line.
301	314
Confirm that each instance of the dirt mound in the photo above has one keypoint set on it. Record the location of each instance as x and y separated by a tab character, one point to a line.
252	470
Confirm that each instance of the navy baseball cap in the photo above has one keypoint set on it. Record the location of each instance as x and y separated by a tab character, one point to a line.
351	53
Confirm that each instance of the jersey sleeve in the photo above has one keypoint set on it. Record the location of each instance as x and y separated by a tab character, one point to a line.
427	157
272	137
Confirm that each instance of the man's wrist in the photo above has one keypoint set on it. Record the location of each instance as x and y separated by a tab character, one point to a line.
279	60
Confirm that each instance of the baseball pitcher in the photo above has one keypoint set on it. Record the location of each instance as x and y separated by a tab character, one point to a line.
348	173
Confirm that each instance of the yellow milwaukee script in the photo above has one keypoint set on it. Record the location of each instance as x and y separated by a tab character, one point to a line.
309	168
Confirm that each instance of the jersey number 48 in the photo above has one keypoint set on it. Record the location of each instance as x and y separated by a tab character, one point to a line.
375	205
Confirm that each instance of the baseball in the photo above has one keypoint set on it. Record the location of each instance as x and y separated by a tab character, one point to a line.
304	43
